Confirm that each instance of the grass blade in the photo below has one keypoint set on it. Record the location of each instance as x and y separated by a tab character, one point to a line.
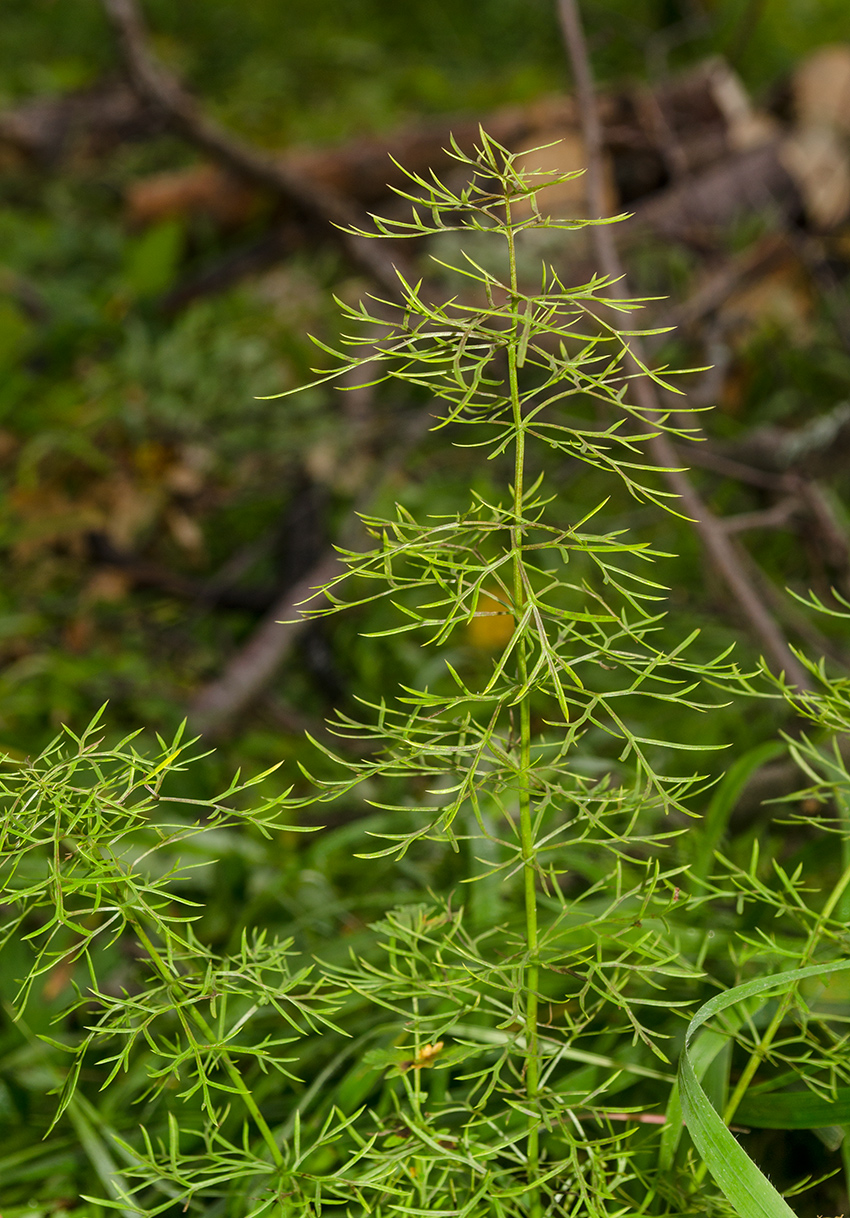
749	1191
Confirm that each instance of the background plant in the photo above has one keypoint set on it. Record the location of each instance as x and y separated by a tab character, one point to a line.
462	1053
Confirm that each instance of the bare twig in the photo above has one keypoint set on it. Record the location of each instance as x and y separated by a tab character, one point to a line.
711	532
215	593
817	449
96	119
718	463
158	87
777	517
735	273
250	670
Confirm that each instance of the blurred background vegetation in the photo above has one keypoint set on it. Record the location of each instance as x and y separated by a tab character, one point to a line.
155	504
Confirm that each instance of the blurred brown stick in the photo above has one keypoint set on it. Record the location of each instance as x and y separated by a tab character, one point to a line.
717	544
158	87
249	671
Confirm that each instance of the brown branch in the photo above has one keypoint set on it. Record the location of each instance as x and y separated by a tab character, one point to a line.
93	120
777	517
695	208
155	85
708	459
249	671
735	273
206	593
817	449
711	532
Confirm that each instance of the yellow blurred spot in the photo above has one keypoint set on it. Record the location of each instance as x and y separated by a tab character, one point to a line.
492	625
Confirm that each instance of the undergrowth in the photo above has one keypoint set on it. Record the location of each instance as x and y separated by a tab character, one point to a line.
508	1045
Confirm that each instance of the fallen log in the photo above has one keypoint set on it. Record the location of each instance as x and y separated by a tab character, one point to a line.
701	204
651	137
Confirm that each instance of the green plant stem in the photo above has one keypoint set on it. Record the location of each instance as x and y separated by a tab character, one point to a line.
759	1053
527	843
842	907
761	1050
200	1023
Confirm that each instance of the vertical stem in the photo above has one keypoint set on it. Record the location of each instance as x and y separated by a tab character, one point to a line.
759	1053
527	843
232	1073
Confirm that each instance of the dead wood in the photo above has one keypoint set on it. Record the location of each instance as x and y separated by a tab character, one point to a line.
819	449
789	463
670	134
705	456
159	88
779	516
694	208
703	203
203	190
672	151
679	127
639	130
364	170
368	169
717	544
252	667
734	273
89	122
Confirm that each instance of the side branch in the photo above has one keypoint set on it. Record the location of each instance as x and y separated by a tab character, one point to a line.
711	531
156	86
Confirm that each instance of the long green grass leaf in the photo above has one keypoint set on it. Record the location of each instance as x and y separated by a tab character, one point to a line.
749	1191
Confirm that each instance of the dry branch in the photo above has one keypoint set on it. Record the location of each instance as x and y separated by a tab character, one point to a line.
94	120
817	450
721	283
707	458
717	544
159	88
249	671
364	169
780	516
